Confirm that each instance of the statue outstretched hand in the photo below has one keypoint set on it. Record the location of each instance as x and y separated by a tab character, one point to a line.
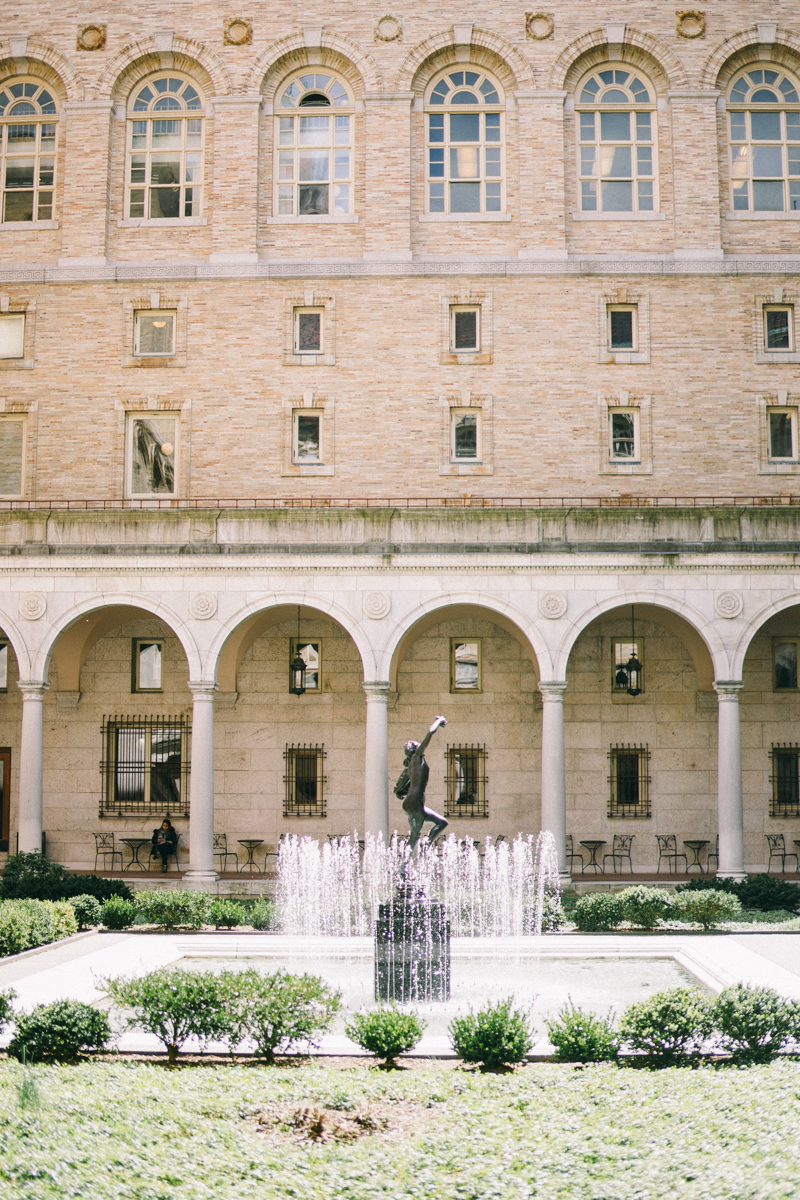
438	723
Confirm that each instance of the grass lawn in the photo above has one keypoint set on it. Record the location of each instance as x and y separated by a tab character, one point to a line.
133	1130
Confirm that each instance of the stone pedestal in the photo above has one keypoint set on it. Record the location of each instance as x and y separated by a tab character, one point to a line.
412	948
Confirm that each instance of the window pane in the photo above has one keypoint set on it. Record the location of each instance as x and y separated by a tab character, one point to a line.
315	131
780	435
165	203
465	127
587	127
165	768
3	674
786	664
18	206
19	172
767	197
466	330
149	665
11	444
767	162
308	437
617	197
615	127
589	196
305	778
615	161
153	455
464	162
156	330
314	165
165	170
309	652
167	135
465	666
465	197
12	336
21	138
622	439
621	330
309	332
465	436
313	200
765	126
787	778
778	329
129	773
627	779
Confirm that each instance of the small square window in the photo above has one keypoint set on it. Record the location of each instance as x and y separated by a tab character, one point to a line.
623	331
465	435
623	652
308	330
784	660
12	335
311	654
465	329
3	666
146	672
465	665
153	334
306	437
152	455
778	327
12	455
623	432
782	433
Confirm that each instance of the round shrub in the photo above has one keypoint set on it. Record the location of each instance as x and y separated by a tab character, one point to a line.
117	913
175	1005
279	1010
168	909
706	908
226	913
597	912
385	1032
580	1036
25	924
494	1036
88	911
669	1026
59	1032
643	906
755	1023
262	914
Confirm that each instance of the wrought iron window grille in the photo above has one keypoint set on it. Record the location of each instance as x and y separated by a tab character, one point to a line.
785	779
466	781
629	781
305	782
145	766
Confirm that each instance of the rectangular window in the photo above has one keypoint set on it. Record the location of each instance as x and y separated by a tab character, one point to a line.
784	658
12	455
5	796
146	665
152	455
308	324
305	791
782	434
465	329
12	335
465	164
623	333
785	780
311	654
306	431
623	652
145	766
465	665
623	433
778	328
616	160
466	781
3	666
314	166
629	782
465	435
153	333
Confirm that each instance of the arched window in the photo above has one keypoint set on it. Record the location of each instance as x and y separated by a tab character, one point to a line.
314	158
464	143
764	112
27	149
616	143
165	150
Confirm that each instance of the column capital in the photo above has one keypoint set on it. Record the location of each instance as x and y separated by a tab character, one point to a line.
553	689
728	689
202	689
377	690
32	689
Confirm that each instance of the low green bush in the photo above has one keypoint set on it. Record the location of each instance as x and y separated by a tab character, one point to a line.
279	1010
88	911
597	912
174	1005
226	913
118	913
59	1032
6	1008
496	1035
643	906
385	1032
262	914
706	908
669	1026
25	924
31	876
169	910
580	1036
755	1023
762	892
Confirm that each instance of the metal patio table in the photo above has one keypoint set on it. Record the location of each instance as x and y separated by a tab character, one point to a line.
593	846
695	845
135	845
250	845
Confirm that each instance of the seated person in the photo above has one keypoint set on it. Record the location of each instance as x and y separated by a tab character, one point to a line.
165	842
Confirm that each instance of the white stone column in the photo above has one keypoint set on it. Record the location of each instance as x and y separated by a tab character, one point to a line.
554	793
729	781
201	873
376	760
29	823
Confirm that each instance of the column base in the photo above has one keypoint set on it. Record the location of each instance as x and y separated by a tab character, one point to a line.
736	876
564	879
199	880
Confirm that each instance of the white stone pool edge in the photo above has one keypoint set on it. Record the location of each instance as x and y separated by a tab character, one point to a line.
74	970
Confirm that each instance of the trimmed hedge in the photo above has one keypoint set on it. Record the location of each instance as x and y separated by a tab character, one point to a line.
706	908
25	924
169	910
762	892
598	912
31	876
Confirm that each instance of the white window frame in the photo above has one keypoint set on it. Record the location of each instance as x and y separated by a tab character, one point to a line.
302	310
768	308
791	412
141	124
641	408
289	115
492	186
631	308
619	299
138	644
460	308
153	312
19	318
477	413
306	405
40	96
131	418
450	407
297	459
589	149
744	144
631	459
19	419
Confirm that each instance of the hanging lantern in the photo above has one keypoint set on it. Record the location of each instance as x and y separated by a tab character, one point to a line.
633	668
297	667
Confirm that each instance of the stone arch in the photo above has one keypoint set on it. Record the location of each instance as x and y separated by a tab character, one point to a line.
336	52
430	613
754	627
690	627
44	62
488	50
83	626
139	59
239	632
17	642
639	49
742	48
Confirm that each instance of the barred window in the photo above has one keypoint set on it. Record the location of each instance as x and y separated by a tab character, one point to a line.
466	781
28	122
785	779
305	790
629	781
145	766
165	150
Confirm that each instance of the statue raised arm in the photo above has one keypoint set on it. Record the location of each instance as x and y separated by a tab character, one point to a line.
411	785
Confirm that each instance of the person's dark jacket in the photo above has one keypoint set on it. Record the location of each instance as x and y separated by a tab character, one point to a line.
170	840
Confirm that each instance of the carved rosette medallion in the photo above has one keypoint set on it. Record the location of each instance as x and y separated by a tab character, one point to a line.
203	605
729	604
376	605
552	605
32	606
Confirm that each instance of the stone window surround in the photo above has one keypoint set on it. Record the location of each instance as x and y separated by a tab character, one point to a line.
325	405
310	298
765	401
623	296
469	358
27	412
625	400
150	303
28	307
778	296
180	407
461	400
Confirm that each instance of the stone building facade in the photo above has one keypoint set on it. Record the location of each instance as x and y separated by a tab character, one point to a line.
461	356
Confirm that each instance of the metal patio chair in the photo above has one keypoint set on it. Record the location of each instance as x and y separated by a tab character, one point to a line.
104	848
222	852
777	849
620	852
668	851
572	854
713	854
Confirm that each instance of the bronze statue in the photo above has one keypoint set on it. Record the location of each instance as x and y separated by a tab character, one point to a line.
410	787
